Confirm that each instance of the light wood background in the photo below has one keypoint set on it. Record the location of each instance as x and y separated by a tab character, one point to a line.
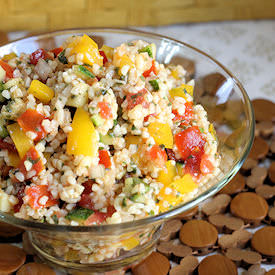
59	14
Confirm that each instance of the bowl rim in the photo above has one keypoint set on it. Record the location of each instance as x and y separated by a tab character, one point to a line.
101	229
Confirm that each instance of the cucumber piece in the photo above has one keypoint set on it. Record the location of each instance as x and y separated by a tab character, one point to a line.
97	120
107	140
2	74
77	100
147	49
85	71
147	188
3	131
129	184
79	214
12	82
137	181
137	197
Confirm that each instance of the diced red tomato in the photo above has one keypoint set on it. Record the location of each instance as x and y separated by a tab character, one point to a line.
105	59
193	162
99	217
20	193
33	157
5	145
158	155
88	185
56	51
35	193
206	165
31	120
86	200
187	140
188	114
135	99
4	170
105	110
104	158
152	69
36	55
9	70
147	117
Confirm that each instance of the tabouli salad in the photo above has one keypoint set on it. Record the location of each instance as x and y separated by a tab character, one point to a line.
91	136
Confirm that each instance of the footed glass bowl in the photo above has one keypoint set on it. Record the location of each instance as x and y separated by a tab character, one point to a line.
101	248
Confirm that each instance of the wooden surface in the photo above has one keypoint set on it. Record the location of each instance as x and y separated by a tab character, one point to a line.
51	14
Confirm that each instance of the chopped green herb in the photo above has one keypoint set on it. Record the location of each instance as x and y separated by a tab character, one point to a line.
190	157
142	78
85	71
169	104
33	161
152	213
162	146
130	44
62	58
115	122
134	128
55	219
202	130
147	49
79	214
124	204
104	92
155	85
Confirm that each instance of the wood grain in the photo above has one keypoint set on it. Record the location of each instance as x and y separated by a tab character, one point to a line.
47	15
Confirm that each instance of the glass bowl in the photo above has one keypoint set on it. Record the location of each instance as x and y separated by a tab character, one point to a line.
101	248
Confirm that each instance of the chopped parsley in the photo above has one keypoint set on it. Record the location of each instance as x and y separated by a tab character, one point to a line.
33	161
155	85
55	219
62	58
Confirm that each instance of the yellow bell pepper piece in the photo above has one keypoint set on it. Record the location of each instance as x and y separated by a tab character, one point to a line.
167	175
121	61
212	130
88	48
21	141
167	201
9	56
181	91
14	159
130	243
130	139
41	91
82	140
72	255
109	52
175	74
162	134
180	170
184	185
125	60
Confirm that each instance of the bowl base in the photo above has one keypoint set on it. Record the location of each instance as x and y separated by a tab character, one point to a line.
99	268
